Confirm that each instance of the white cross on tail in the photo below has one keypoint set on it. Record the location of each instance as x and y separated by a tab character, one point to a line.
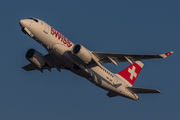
132	72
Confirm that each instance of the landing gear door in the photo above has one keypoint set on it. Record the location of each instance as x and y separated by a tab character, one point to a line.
46	28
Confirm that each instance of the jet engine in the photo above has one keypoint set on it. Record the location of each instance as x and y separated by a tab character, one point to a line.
35	57
82	53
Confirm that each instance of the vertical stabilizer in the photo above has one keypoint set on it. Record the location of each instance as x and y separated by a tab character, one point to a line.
131	73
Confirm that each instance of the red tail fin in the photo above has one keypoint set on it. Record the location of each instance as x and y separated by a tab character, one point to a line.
131	73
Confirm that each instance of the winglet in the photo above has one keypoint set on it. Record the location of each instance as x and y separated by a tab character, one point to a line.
166	54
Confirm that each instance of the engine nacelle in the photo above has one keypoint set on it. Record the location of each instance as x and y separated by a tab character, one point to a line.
35	57
82	53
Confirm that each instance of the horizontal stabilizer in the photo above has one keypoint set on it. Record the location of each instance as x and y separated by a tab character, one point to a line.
142	90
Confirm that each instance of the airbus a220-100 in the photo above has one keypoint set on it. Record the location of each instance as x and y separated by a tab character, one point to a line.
63	54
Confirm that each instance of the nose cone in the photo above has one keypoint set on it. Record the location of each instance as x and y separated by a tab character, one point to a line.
23	23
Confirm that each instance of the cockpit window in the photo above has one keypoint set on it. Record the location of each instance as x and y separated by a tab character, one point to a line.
33	19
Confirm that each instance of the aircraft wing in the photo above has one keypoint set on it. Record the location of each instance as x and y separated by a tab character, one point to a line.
50	63
118	57
30	67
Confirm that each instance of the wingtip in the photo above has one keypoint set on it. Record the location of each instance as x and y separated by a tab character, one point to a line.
158	91
166	54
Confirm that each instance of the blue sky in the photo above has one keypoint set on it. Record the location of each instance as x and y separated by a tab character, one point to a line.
119	26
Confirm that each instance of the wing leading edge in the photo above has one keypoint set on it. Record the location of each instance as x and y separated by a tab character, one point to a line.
118	57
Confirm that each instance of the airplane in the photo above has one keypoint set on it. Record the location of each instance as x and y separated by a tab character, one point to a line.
63	54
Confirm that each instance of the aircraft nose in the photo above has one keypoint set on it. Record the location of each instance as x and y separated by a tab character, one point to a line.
23	23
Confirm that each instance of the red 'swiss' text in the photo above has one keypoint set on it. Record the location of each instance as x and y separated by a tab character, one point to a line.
63	39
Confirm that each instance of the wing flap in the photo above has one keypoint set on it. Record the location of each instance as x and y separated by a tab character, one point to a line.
142	90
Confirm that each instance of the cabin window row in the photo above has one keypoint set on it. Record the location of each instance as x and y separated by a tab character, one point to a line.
107	72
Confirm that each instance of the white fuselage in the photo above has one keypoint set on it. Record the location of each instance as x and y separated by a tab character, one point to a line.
59	48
